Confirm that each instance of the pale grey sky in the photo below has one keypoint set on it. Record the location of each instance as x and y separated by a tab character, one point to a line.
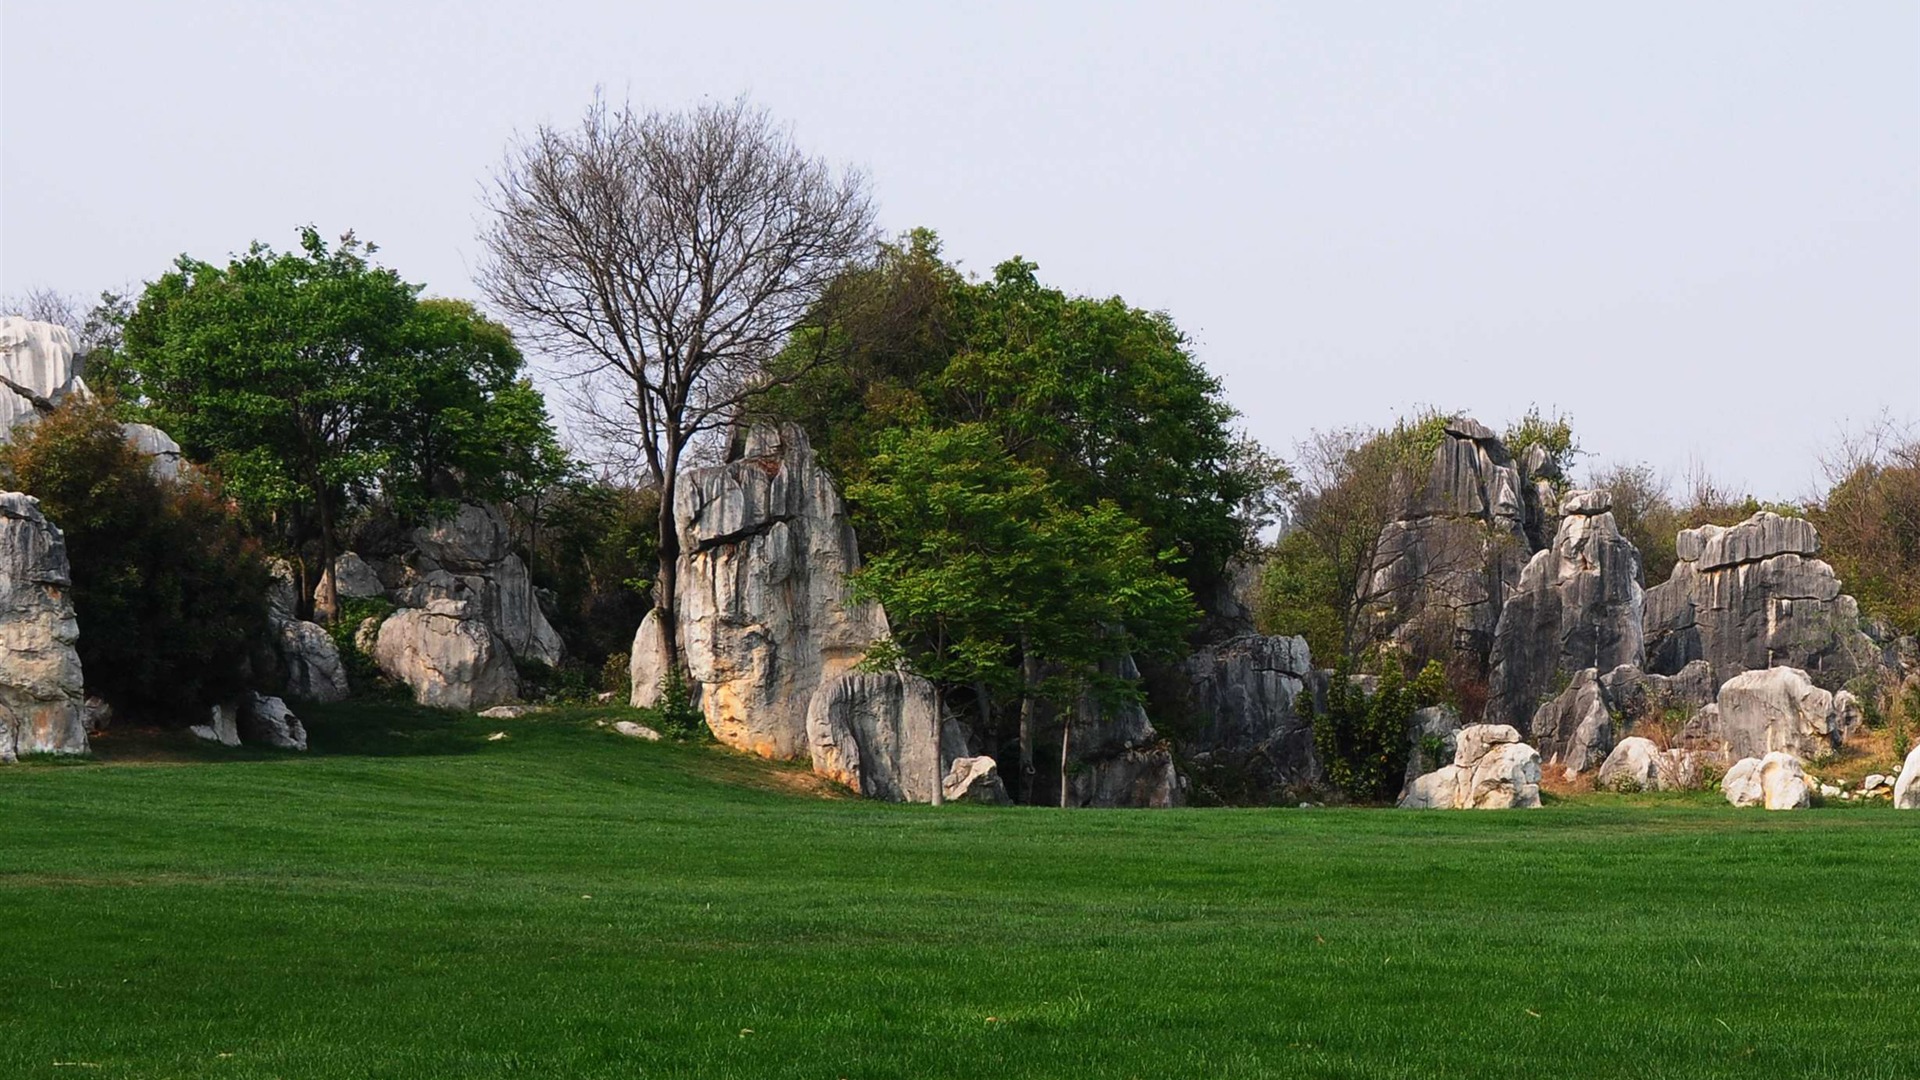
1693	226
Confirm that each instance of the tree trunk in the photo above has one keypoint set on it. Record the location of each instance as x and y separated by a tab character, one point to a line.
1066	738
1028	669
667	581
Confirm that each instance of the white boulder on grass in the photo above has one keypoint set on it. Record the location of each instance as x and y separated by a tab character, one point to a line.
222	726
1906	790
266	721
1777	782
636	731
1492	770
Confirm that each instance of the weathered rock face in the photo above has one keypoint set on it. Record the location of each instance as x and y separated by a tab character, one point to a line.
42	694
450	659
1906	790
37	358
308	658
1636	764
1752	597
1575	729
266	721
1776	709
1434	736
1492	770
468	559
1577	606
976	779
874	732
1116	757
164	456
222	726
1245	694
352	577
1447	564
1776	782
766	616
1638	695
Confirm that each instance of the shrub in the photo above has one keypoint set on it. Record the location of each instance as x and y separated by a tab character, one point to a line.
675	715
1361	739
362	673
616	678
169	591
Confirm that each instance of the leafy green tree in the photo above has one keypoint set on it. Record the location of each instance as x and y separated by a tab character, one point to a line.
991	580
1107	399
169	590
1363	740
310	380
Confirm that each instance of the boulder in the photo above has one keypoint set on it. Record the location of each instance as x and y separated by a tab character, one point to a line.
164	456
1776	781
314	671
37	369
354	578
1751	597
222	726
474	538
1244	697
1575	729
1576	608
636	731
1849	715
1639	695
467	559
1906	790
266	721
647	663
42	692
1116	757
1776	709
1636	764
1434	737
874	732
450	659
975	779
1491	770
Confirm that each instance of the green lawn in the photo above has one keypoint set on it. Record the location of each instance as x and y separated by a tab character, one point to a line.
413	900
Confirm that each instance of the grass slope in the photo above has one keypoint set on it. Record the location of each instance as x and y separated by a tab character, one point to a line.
413	900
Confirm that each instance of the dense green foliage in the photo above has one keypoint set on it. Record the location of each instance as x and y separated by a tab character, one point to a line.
1362	739
1869	522
1105	398
593	544
314	381
169	592
413	900
990	579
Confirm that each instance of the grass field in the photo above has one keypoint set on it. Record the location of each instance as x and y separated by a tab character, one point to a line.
414	900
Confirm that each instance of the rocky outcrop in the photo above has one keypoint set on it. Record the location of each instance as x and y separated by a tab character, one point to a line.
975	779
1575	729
1637	764
267	721
874	732
1751	597
352	577
309	664
36	369
1777	782
1577	607
466	559
164	456
1443	569
1906	790
1491	770
1775	709
1638	695
1244	695
447	656
42	693
222	726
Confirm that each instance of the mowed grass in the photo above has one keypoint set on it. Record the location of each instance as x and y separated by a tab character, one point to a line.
414	900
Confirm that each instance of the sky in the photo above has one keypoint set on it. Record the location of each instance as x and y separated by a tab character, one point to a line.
1694	228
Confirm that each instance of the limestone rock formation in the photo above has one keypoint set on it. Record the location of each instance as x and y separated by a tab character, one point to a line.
1777	782
975	779
164	456
1433	737
1577	607
314	671
1445	566
222	726
353	578
647	663
874	732
766	616
1776	709
467	558
1117	758
450	659
1575	729
36	362
1906	790
42	693
1752	597
1639	695
266	721
1636	764
1245	695
1492	770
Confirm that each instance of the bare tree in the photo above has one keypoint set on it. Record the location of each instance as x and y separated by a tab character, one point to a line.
663	259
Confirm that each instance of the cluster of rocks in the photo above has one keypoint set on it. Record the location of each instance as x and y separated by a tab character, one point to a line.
775	643
465	609
1492	769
